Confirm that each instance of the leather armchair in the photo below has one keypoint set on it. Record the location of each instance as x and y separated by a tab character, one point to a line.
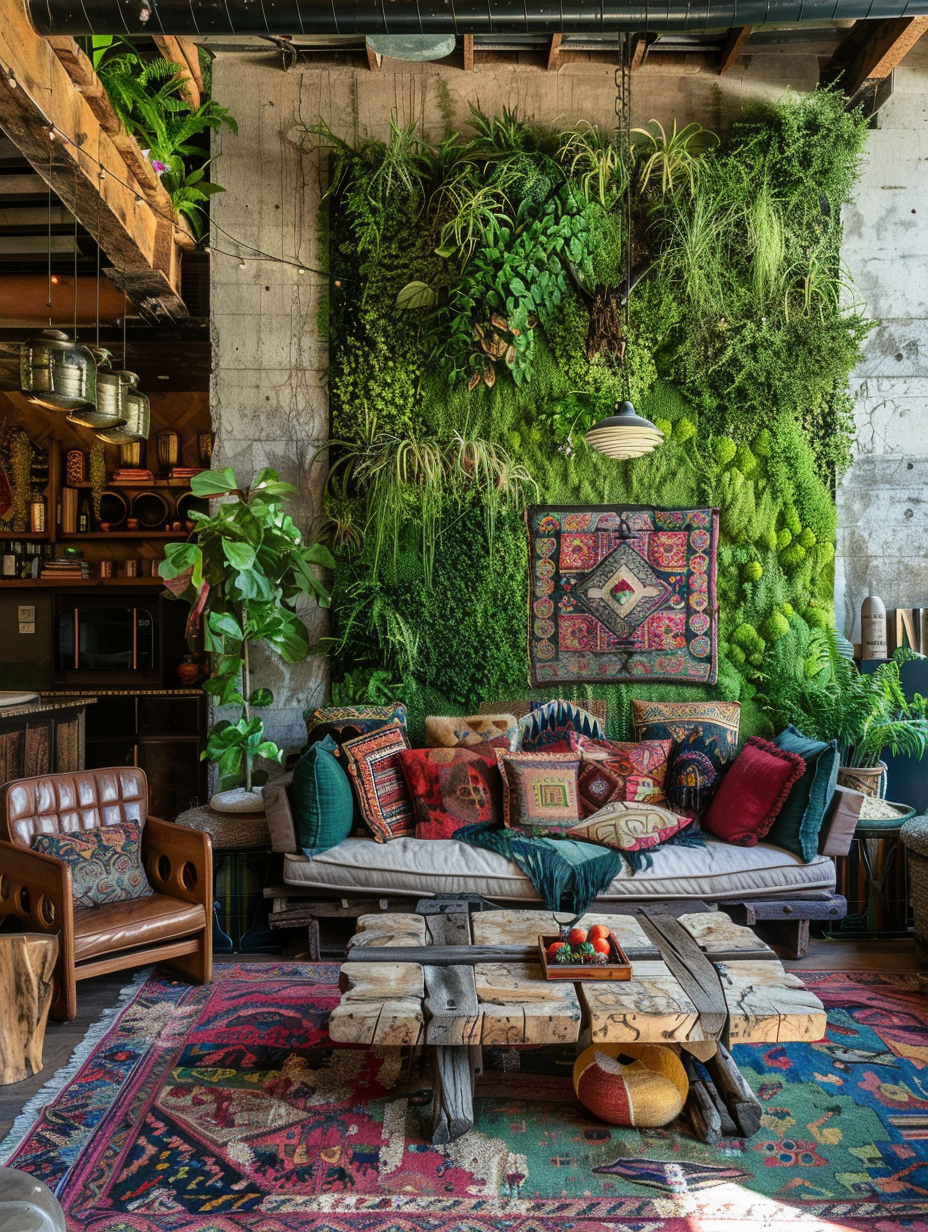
172	926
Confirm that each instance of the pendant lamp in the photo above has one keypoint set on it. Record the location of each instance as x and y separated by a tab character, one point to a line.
138	416
111	408
56	373
625	434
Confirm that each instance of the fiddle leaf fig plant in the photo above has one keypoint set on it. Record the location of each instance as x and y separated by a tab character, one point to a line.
242	572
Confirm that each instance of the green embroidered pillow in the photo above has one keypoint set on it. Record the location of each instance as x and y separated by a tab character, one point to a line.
798	823
106	864
323	806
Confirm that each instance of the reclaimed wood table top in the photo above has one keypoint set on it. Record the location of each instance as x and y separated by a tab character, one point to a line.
690	984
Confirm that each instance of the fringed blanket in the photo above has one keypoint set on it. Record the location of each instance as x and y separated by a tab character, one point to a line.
569	875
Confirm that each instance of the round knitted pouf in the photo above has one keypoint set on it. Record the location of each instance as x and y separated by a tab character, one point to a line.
631	1084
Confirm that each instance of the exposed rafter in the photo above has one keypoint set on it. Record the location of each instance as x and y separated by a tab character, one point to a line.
554	53
737	37
173	49
872	50
468	53
85	168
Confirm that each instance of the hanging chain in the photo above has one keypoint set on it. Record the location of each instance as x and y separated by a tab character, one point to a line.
623	141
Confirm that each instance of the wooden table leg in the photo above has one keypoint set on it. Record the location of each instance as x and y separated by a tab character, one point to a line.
27	962
453	1099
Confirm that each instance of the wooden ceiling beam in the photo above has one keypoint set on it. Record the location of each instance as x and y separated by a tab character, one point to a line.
468	53
871	50
86	170
734	45
554	52
170	47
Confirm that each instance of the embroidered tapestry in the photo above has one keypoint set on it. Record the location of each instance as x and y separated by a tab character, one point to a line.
622	592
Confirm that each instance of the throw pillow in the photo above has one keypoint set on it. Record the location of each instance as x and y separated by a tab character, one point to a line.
106	864
550	723
797	827
501	730
539	792
377	779
752	792
451	788
346	722
622	771
323	807
705	736
629	826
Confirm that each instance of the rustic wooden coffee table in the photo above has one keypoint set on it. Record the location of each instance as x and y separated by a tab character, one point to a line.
457	981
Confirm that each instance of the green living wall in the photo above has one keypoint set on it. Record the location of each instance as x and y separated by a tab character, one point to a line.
478	328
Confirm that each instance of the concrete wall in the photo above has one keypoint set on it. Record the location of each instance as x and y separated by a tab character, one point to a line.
268	394
883	500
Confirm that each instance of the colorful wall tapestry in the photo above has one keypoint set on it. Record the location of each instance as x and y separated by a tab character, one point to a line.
622	593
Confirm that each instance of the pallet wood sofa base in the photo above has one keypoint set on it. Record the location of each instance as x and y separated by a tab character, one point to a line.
762	885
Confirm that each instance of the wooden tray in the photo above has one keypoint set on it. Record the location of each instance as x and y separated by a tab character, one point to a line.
618	967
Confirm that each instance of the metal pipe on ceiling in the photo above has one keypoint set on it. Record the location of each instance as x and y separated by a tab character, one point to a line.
318	17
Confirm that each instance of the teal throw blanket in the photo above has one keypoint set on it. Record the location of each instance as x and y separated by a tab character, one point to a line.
568	874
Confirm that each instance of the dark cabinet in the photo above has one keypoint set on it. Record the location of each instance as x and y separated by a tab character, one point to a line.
164	733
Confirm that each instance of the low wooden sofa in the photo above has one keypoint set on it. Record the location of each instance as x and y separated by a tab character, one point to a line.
172	926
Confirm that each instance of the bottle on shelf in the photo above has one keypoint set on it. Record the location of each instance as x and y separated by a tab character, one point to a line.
84	518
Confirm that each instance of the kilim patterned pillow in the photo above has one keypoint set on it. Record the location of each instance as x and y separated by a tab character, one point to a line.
628	826
106	864
346	722
450	732
451	788
623	771
705	736
379	786
550	723
539	792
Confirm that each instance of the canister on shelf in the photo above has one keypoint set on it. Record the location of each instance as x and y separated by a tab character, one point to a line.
873	643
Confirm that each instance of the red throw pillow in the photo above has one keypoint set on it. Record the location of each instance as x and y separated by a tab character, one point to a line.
626	771
451	788
753	792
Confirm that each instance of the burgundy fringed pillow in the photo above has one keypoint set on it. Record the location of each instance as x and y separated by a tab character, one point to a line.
752	792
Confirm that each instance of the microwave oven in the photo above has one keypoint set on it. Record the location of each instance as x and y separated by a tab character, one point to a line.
107	640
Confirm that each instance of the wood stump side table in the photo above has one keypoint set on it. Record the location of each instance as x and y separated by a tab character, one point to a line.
27	963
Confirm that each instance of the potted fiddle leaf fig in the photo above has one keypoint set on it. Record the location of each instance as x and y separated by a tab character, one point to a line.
242	571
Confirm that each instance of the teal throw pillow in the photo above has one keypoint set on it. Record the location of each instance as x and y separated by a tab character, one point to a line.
322	800
798	823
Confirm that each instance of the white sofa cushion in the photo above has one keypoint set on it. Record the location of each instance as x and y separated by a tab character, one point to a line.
447	866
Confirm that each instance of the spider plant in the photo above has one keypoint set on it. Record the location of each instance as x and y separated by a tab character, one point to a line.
595	163
767	242
672	158
402	477
698	239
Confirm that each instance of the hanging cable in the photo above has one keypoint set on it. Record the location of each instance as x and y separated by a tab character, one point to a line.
75	252
48	302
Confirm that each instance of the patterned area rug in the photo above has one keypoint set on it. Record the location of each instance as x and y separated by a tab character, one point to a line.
622	593
224	1108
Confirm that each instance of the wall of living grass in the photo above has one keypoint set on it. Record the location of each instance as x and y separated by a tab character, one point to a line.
446	630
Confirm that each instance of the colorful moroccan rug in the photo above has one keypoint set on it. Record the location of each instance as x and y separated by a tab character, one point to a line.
224	1108
622	593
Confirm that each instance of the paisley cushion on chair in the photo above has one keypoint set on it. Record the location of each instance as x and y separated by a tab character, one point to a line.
106	864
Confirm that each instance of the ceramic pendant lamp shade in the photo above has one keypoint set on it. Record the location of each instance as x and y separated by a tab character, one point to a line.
624	434
111	408
138	416
56	373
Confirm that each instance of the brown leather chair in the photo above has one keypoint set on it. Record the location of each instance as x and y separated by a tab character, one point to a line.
173	926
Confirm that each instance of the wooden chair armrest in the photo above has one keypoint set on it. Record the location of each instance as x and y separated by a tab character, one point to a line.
179	862
36	888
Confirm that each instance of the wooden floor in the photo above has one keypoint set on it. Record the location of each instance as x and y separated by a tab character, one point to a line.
97	995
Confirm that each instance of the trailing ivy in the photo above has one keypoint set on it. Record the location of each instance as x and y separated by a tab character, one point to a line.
482	301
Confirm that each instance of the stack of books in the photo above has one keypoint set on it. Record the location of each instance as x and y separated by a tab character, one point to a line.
67	568
131	475
185	472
